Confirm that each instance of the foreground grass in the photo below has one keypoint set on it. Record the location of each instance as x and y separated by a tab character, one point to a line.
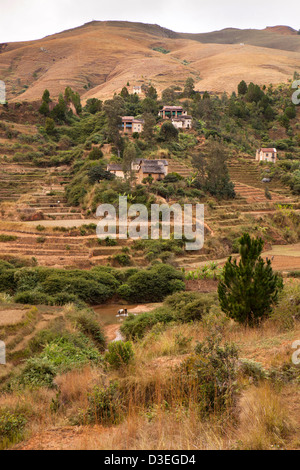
147	404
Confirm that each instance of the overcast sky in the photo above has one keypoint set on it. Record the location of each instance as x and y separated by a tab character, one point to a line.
33	19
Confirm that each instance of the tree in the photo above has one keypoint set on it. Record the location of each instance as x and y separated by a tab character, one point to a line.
98	173
213	172
93	106
114	110
124	93
59	112
250	288
242	88
254	93
129	156
169	97
46	96
44	109
50	126
151	92
150	106
189	87
290	112
168	132
74	98
149	123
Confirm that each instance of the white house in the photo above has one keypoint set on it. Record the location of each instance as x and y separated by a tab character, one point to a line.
183	122
116	169
266	155
137	90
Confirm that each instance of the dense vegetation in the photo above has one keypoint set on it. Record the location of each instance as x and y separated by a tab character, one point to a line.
39	285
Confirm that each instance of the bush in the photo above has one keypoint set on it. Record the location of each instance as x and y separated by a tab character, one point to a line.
87	324
119	354
34	298
95	154
104	405
135	327
122	259
155	284
38	372
124	292
197	309
11	428
7	238
87	290
212	373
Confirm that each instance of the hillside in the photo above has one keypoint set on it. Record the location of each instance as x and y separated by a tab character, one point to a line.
99	58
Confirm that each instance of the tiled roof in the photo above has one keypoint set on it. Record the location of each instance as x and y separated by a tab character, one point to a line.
182	118
268	150
154	166
144	160
173	108
114	167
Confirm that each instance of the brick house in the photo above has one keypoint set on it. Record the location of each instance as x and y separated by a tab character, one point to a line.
266	155
143	168
130	125
169	112
116	169
157	169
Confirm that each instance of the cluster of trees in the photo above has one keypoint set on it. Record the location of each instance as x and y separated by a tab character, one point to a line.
213	176
63	109
47	286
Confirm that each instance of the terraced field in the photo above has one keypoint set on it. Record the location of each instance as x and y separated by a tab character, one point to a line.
39	222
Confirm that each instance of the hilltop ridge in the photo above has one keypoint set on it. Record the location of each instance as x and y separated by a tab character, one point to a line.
98	58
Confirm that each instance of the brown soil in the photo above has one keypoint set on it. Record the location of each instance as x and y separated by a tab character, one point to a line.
11	317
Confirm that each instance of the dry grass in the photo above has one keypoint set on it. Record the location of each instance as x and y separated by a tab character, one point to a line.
74	387
265	421
127	55
163	431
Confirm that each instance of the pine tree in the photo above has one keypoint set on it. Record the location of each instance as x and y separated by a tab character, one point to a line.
44	109
242	88
249	288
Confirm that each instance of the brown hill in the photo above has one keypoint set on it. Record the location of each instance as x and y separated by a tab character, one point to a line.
99	58
285	30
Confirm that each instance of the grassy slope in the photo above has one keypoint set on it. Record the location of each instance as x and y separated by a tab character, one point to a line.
107	55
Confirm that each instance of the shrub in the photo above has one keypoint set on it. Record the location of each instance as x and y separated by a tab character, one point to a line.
119	354
38	372
87	324
212	373
87	290
7	238
34	298
155	284
11	428
95	154
124	292
135	327
122	259
252	369
197	309
104	405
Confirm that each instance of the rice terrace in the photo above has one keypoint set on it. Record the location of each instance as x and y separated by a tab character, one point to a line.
121	343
